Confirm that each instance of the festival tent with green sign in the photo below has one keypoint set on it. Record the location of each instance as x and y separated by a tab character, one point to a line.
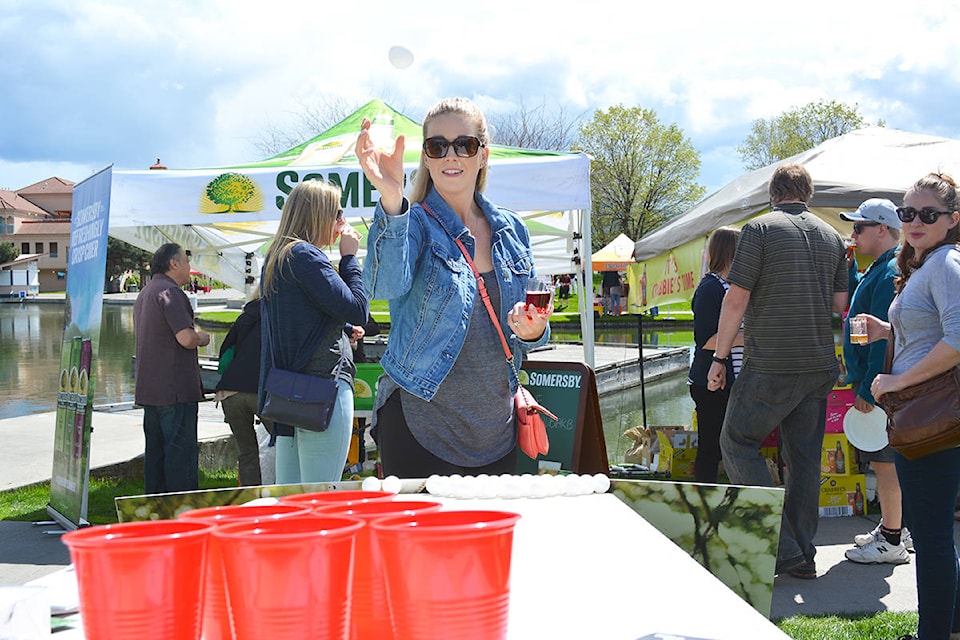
874	162
226	216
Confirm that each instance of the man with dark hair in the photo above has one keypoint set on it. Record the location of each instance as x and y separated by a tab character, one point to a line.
168	374
788	274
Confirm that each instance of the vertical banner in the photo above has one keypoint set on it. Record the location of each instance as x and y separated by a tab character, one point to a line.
668	278
86	272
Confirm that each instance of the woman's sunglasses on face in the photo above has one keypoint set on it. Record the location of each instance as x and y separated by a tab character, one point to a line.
463	146
927	216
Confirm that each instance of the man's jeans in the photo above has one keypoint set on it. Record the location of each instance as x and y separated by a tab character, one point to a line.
172	455
797	403
930	486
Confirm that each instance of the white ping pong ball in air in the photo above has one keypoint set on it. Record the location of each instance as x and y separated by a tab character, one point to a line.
400	57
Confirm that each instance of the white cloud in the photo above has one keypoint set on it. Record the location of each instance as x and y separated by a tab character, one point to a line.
90	83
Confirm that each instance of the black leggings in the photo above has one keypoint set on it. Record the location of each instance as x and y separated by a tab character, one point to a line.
402	456
711	408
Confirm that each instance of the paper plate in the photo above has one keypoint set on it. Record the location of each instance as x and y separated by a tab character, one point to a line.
866	431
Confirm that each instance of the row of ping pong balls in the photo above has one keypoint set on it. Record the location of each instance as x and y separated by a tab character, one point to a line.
502	486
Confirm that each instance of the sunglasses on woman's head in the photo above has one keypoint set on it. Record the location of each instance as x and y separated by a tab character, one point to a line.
927	216
463	146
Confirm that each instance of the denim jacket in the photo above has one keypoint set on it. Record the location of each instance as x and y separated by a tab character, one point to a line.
414	262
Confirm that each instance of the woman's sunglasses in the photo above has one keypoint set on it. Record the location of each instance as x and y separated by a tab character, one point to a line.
927	216
463	146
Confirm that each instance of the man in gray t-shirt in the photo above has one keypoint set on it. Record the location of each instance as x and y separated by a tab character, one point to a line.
788	275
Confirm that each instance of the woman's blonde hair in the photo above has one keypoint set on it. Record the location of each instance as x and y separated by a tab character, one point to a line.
422	182
309	215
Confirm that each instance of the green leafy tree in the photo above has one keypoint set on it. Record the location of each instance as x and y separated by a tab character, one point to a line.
797	130
8	252
642	174
123	257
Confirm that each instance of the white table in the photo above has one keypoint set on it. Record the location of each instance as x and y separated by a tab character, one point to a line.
589	567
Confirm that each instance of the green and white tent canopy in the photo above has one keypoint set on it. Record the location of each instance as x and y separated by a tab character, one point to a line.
227	216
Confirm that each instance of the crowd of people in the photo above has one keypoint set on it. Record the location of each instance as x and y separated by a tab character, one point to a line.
454	267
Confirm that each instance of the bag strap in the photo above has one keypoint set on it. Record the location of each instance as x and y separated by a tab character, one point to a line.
888	358
484	295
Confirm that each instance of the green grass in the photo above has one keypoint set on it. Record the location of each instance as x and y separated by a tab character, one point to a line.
28	504
886	625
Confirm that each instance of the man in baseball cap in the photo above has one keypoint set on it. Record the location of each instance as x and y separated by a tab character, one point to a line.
876	232
879	210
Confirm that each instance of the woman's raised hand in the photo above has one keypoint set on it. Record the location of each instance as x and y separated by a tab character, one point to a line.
383	170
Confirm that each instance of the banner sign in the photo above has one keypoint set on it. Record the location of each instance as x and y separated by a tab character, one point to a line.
668	278
87	259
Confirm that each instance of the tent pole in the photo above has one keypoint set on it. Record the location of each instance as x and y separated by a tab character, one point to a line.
643	386
586	289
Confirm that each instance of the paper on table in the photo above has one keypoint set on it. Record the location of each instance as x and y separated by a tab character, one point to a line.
61	587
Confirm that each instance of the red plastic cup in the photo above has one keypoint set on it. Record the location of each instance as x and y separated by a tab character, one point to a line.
447	573
140	579
217	623
370	619
323	498
289	577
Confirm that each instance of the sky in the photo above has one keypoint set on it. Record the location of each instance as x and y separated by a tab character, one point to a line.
85	84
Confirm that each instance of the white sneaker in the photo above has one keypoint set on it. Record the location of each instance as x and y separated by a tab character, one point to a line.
879	552
876	536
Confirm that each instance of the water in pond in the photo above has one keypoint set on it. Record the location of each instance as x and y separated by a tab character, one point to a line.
30	337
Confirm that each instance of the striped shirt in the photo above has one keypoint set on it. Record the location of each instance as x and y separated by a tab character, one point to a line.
792	263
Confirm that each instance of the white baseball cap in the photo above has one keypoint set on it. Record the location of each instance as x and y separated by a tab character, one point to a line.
874	210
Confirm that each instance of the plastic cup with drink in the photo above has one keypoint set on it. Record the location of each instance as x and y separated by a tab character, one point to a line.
539	292
858	330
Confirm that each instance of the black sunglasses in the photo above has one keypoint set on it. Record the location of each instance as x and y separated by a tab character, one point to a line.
463	146
927	216
858	227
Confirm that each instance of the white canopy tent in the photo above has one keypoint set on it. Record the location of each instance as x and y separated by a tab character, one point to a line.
874	162
227	216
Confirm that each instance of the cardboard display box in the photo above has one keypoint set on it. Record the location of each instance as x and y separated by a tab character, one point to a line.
843	495
677	452
837	457
838	402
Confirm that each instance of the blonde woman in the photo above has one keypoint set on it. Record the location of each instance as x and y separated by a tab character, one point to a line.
305	305
445	404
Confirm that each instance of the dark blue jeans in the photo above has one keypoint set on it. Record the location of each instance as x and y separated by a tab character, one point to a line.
930	488
171	454
797	403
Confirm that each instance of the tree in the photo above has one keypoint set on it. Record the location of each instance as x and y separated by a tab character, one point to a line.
123	257
535	127
797	130
8	252
642	174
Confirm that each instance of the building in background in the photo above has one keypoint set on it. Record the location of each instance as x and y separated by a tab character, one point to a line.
36	220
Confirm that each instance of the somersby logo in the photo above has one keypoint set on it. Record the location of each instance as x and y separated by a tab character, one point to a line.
231	193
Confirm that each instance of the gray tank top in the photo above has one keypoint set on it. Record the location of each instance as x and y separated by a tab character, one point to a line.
469	421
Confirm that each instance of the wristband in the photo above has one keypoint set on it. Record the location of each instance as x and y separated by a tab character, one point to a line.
721	360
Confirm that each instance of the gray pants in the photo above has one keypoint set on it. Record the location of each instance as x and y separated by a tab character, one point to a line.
239	411
797	403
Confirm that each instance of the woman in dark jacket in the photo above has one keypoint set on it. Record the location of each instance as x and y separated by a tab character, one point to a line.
306	303
711	405
237	389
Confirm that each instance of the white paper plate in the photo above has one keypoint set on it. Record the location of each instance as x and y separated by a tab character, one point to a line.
866	431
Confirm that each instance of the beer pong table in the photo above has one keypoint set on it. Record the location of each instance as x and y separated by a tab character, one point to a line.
590	567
